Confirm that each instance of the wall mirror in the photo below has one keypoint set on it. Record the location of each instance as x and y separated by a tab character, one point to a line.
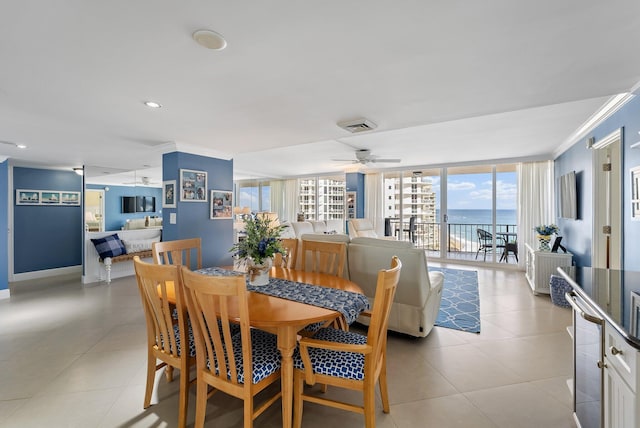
116	199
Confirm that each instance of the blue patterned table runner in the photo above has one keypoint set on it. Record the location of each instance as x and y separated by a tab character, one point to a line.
348	303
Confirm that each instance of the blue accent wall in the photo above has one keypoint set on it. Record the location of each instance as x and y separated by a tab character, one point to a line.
354	182
578	233
4	225
46	237
193	218
114	218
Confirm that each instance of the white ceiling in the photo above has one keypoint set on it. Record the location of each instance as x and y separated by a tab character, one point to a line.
445	82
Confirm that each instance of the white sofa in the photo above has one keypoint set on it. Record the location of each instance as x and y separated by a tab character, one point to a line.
324	227
140	223
417	300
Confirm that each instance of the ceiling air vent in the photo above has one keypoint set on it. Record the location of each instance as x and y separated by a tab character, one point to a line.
357	125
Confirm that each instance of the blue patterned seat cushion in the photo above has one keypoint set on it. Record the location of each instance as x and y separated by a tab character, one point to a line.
347	365
192	343
265	355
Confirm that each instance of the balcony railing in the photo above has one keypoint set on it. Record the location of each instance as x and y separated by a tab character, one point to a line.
462	239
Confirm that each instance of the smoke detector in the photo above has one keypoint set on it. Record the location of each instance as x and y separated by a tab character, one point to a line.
357	125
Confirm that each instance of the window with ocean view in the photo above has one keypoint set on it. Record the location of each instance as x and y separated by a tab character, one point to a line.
479	207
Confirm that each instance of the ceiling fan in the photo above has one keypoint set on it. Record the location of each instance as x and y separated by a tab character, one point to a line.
364	156
144	181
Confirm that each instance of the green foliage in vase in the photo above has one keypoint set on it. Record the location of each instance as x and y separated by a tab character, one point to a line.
546	230
262	240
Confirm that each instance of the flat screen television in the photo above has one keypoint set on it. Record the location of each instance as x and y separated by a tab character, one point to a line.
567	196
128	204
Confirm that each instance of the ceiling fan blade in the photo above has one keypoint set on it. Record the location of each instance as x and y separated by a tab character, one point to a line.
344	160
376	160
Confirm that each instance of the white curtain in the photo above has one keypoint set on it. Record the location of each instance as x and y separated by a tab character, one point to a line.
284	198
373	201
536	202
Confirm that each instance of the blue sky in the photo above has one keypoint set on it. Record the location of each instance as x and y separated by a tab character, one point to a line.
474	191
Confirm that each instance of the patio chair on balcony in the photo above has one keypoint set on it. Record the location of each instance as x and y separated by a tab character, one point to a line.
411	230
485	243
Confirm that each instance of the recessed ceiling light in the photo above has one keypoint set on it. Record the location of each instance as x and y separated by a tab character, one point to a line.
152	104
210	39
21	146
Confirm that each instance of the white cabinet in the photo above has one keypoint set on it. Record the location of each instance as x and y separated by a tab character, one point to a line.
540	265
620	381
620	401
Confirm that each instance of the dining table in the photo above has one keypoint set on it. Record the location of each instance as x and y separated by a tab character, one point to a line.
285	318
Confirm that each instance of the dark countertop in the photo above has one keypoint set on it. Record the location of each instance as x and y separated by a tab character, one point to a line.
614	294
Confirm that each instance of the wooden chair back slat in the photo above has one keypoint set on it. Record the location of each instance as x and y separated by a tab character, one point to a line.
185	252
324	257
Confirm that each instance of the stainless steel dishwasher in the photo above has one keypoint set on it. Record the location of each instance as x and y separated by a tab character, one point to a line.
588	363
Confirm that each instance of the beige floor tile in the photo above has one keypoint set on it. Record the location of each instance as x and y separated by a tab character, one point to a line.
454	411
79	409
521	406
468	369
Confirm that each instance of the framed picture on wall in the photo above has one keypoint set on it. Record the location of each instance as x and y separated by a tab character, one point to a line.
50	198
27	197
350	204
221	204
193	186
169	194
70	198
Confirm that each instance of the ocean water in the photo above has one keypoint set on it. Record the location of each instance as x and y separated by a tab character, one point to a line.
467	235
480	216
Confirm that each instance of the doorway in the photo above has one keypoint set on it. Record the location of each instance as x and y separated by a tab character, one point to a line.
606	251
94	210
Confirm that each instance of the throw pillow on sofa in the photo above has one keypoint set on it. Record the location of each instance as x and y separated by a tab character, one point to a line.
109	246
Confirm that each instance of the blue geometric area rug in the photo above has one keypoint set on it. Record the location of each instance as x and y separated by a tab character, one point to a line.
460	307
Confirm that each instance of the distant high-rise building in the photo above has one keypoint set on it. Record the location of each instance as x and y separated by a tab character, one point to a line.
417	198
325	194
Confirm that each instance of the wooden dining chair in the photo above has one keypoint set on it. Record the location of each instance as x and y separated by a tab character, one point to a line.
289	258
324	257
168	337
254	363
187	252
347	359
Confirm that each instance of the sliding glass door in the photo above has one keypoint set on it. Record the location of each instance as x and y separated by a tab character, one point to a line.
460	213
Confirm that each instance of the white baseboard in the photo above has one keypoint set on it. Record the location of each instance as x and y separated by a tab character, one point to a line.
47	273
4	294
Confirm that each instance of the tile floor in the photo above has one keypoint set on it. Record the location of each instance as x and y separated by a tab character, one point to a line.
74	356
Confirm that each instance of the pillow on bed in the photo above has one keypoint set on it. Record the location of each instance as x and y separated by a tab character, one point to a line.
109	246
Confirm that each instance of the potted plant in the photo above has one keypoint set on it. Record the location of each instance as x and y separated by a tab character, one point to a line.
261	241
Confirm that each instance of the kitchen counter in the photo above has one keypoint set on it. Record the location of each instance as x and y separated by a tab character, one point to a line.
614	294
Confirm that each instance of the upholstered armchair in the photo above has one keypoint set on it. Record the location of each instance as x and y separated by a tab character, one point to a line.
362	227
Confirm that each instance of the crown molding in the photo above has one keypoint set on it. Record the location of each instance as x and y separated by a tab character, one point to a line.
612	105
